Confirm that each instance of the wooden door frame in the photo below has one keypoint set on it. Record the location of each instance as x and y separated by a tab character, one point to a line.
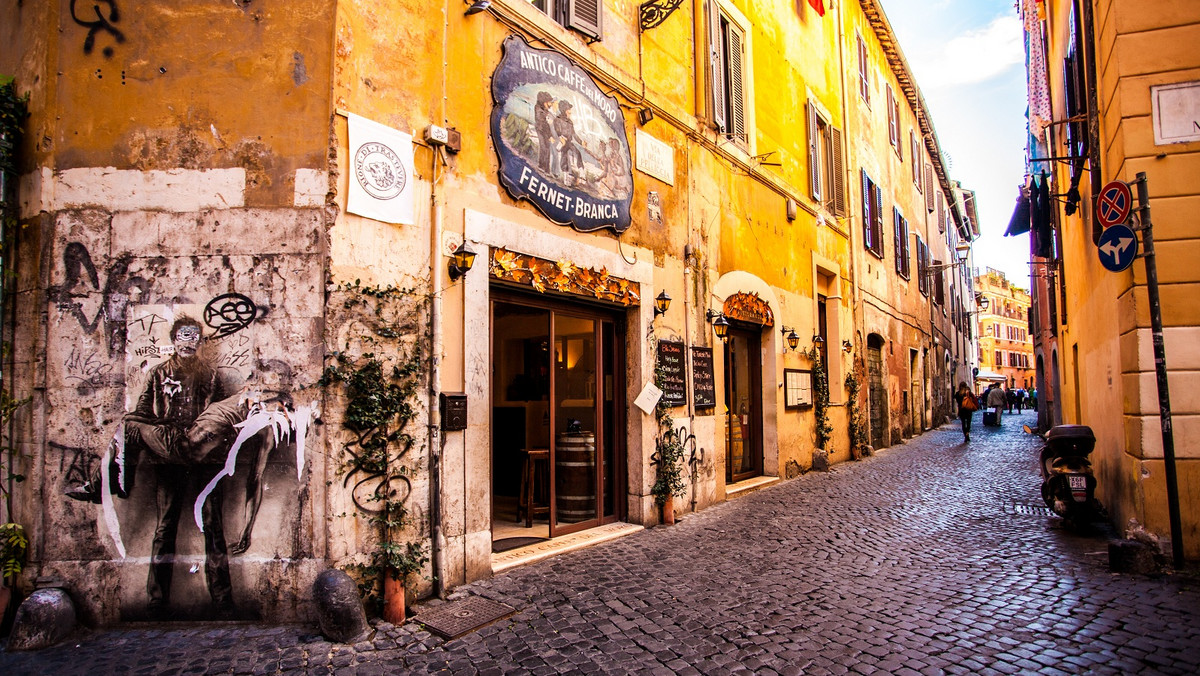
756	399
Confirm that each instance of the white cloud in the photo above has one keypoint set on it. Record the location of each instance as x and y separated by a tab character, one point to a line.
972	57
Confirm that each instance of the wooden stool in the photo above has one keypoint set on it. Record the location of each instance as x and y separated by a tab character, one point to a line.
535	485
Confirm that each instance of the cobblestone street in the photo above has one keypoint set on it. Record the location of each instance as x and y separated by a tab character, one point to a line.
929	557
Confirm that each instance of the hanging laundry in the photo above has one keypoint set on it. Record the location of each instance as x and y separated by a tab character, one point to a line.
819	6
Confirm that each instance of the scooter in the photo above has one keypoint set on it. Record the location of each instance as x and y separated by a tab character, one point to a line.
1068	485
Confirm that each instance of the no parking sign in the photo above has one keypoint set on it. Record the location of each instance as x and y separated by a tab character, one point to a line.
1114	204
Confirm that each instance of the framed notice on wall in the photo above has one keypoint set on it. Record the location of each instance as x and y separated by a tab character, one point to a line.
797	388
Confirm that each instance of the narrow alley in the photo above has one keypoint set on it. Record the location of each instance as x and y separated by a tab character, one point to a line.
929	557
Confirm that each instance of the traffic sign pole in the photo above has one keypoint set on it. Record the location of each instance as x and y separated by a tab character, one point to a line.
1160	371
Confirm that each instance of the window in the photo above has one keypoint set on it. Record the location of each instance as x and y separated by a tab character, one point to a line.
928	187
999	359
579	15
915	154
864	72
727	76
941	212
826	162
893	112
901	230
923	271
872	211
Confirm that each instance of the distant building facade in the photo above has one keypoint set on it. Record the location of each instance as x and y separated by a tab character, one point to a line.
1005	344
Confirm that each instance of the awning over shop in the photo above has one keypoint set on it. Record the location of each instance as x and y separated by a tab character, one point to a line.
990	377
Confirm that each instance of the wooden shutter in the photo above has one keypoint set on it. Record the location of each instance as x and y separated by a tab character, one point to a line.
868	239
838	180
735	61
916	161
893	122
864	72
877	212
814	152
897	244
929	187
941	213
716	67
584	16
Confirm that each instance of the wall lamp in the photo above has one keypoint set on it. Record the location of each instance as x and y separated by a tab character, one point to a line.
818	341
963	251
461	261
789	334
847	346
478	6
661	303
720	324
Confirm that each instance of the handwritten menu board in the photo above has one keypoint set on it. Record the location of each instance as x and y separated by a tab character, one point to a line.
703	389
672	370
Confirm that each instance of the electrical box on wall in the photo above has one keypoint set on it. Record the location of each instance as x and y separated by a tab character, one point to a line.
454	411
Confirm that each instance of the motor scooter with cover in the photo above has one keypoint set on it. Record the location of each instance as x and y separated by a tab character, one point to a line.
1068	484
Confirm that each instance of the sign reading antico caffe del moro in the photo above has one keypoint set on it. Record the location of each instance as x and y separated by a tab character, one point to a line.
561	140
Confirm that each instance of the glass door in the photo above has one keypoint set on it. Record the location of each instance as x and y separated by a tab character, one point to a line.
743	404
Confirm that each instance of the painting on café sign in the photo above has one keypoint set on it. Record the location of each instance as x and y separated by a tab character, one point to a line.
560	139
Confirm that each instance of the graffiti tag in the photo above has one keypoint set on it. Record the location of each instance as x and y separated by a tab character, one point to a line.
81	286
87	368
100	23
229	313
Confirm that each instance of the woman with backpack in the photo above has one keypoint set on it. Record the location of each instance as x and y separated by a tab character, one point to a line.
967	405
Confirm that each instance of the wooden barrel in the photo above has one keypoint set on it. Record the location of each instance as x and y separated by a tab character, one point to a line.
575	477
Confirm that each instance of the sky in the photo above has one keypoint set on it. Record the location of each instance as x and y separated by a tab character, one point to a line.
968	57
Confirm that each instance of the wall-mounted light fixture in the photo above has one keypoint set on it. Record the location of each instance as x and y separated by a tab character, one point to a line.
661	303
789	334
847	346
645	115
478	6
720	324
963	251
461	261
818	341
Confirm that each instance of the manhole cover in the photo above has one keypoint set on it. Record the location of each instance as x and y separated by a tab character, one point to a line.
1029	509
460	617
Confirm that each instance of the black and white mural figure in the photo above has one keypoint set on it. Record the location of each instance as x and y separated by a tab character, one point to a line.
199	439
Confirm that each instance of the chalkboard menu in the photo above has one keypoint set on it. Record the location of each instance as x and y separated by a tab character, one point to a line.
704	391
672	368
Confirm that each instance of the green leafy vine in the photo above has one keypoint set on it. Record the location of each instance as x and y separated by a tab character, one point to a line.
856	420
668	458
822	430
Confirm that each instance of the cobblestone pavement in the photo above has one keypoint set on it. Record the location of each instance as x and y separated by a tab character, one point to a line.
930	557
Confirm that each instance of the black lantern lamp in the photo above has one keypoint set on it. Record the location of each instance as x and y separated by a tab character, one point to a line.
847	346
461	261
818	341
789	335
661	303
478	6
721	326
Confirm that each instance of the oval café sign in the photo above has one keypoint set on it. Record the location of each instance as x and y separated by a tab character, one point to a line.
561	140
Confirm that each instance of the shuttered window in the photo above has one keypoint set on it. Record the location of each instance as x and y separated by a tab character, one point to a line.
915	154
929	189
727	77
900	231
893	111
826	162
864	72
941	212
872	212
922	266
584	16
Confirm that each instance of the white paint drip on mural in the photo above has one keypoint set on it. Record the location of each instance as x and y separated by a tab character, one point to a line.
260	418
106	494
175	190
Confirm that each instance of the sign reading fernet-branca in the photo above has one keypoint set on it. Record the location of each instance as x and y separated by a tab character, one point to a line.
560	139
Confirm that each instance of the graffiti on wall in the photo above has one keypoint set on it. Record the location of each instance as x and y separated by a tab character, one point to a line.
89	14
83	297
200	442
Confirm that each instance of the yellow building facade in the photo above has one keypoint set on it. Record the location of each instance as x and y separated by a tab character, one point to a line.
1005	343
1115	92
297	187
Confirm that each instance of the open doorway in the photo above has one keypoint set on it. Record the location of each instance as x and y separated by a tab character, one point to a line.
557	429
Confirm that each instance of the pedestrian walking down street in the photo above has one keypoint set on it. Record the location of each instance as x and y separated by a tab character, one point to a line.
967	405
996	401
1010	398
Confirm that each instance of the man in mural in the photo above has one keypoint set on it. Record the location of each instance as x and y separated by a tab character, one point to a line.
543	124
182	421
570	159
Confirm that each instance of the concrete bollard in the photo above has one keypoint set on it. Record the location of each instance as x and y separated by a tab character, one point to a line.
339	609
43	619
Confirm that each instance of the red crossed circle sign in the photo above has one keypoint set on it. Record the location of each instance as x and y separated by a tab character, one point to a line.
1114	204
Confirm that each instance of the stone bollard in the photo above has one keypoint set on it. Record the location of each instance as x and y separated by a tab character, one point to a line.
339	609
43	619
1133	557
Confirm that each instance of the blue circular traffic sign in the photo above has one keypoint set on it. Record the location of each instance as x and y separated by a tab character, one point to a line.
1114	204
1118	247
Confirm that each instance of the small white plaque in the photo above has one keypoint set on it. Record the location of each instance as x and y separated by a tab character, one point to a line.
1176	112
649	397
655	158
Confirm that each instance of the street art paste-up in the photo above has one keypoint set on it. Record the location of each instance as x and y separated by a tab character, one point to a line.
560	139
190	415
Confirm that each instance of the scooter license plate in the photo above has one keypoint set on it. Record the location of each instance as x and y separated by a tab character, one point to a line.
1078	482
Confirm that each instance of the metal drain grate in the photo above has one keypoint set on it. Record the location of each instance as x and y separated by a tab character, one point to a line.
1029	509
462	617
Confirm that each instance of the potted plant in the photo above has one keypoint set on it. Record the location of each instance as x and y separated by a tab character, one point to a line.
668	462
